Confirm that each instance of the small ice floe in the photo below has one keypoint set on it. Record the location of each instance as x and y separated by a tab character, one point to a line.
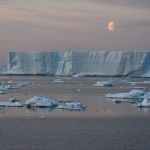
3	87
72	106
76	75
58	81
3	92
11	87
104	83
78	90
135	93
40	102
144	103
18	82
43	117
11	82
11	103
22	84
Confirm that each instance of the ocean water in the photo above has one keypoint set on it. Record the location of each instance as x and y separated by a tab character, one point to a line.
73	89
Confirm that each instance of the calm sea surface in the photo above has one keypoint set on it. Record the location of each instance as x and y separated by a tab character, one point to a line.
73	89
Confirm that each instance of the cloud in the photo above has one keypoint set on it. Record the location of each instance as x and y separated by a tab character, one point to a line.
141	4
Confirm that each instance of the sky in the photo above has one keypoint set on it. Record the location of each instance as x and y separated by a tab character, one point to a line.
44	25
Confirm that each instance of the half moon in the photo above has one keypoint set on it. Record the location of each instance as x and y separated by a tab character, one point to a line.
110	26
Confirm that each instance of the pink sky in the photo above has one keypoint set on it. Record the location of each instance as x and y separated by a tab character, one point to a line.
43	25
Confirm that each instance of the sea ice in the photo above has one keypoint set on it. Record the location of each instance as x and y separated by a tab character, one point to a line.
10	104
58	81
3	92
104	83
132	94
3	87
73	106
40	102
144	103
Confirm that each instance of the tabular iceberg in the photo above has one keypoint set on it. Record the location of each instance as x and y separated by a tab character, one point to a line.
102	63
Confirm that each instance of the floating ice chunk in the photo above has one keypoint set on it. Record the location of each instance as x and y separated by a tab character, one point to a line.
40	102
77	75
3	87
11	87
3	92
132	94
43	117
144	103
11	82
104	83
118	95
22	84
78	90
73	106
10	104
58	81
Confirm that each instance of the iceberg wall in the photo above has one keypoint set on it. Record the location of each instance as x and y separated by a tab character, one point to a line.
103	63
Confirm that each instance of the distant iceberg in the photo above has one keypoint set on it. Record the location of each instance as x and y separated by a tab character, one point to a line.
80	63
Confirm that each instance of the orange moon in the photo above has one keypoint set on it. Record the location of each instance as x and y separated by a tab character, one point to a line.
111	25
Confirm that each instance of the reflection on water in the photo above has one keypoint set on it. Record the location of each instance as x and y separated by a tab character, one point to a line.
40	109
144	109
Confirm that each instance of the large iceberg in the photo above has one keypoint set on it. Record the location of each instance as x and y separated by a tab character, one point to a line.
81	63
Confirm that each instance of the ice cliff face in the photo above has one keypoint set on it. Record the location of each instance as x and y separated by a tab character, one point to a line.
104	63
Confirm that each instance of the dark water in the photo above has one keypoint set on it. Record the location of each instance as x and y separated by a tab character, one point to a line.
75	134
103	126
